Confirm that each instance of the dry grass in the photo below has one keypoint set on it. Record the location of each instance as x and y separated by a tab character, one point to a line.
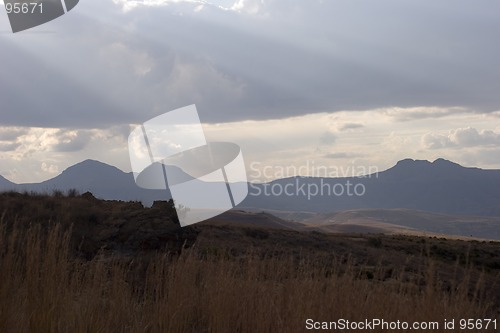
43	288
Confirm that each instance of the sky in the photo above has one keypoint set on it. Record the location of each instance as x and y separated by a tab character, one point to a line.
345	84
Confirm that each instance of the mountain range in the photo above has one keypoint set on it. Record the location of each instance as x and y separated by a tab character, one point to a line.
102	180
440	187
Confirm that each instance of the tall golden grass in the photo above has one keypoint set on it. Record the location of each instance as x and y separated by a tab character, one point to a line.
44	288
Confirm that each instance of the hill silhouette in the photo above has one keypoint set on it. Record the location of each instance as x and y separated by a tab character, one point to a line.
6	184
440	186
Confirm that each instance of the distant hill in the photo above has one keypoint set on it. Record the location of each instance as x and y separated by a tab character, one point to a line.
254	219
6	184
440	186
89	175
102	180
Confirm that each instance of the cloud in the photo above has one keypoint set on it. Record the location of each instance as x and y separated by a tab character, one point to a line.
9	138
6	147
328	138
203	84
419	113
486	157
252	7
39	153
341	155
350	126
128	5
11	133
29	141
107	67
461	137
71	141
386	80
471	137
286	141
49	168
435	141
248	7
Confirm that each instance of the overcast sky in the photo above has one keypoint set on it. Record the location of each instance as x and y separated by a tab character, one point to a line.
293	82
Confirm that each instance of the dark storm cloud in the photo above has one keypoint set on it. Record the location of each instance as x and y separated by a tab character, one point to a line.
33	93
11	134
75	141
106	67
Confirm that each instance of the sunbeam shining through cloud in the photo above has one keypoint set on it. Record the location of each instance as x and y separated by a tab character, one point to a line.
335	81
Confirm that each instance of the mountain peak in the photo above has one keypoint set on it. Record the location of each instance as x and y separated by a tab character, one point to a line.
440	162
445	163
90	162
409	167
90	165
88	171
409	162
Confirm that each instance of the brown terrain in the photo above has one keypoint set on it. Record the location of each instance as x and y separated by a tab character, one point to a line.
75	263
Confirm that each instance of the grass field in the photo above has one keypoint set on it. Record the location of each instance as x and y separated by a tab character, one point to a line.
44	290
45	287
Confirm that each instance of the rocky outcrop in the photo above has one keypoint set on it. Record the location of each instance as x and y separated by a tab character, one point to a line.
117	227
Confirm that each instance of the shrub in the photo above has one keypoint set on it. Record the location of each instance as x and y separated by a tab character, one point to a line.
375	241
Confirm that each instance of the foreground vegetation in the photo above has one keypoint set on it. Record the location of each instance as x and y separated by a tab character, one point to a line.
47	287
